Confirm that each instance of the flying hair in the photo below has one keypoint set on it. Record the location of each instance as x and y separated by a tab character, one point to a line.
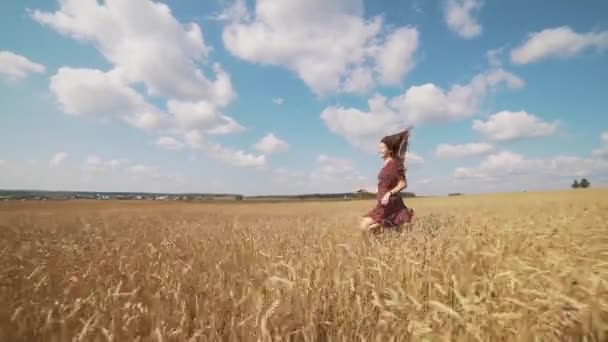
398	143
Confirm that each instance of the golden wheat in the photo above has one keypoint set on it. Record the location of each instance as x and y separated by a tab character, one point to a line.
508	267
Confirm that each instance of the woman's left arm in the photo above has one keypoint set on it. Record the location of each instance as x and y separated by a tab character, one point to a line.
400	186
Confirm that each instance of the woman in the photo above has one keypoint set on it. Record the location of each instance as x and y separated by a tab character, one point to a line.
390	211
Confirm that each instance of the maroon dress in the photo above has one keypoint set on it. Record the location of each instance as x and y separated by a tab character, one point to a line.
395	212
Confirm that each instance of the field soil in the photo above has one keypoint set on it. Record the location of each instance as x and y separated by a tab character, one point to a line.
503	267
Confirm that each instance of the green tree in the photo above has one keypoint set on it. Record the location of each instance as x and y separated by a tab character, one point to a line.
584	183
575	185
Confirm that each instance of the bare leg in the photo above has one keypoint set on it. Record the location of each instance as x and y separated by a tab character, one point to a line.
368	225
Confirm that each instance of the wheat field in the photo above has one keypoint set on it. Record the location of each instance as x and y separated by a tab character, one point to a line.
504	267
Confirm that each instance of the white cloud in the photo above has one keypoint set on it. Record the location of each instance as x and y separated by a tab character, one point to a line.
507	166
237	158
460	16
57	159
232	157
202	115
462	150
278	100
170	143
94	93
506	125
360	80
428	102
360	128
602	151
333	169
394	58
560	42
417	105
271	144
145	45
327	43
193	115
412	158
15	67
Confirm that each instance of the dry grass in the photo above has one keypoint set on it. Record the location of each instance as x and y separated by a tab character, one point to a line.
513	267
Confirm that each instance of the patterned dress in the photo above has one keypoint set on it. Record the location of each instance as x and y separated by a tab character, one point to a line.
395	212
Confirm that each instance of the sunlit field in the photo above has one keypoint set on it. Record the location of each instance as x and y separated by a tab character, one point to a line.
507	267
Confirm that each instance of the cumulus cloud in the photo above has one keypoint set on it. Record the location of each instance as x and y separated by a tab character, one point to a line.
238	158
460	16
412	158
462	150
559	42
14	67
145	46
429	102
170	143
202	115
229	156
57	159
418	104
507	165
98	94
394	58
271	144
506	125
278	100
362	128
327	43
145	43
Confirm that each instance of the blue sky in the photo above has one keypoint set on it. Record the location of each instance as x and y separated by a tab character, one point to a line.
284	97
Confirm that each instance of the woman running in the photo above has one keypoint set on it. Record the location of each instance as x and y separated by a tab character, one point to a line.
390	212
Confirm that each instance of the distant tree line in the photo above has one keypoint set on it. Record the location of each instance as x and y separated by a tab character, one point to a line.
583	183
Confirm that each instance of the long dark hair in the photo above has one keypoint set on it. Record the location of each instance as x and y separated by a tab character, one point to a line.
398	143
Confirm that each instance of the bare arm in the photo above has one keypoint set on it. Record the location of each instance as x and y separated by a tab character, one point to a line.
400	186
